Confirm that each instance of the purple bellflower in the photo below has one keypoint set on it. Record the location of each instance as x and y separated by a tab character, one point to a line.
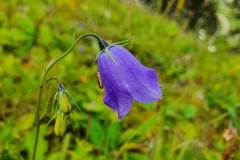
125	79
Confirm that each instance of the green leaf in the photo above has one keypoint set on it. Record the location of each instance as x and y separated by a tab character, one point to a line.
27	121
96	132
28	142
138	156
113	134
233	112
189	112
45	36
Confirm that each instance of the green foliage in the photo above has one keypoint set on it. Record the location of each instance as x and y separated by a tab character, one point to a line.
200	88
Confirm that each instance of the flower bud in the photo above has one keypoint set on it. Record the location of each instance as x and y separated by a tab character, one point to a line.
60	125
64	103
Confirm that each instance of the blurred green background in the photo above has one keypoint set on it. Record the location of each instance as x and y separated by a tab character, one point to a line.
194	46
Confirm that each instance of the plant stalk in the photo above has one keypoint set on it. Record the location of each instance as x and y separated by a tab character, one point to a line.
42	83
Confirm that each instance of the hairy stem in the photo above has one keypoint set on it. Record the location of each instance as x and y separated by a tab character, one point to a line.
102	43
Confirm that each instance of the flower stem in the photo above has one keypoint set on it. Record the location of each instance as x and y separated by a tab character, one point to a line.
42	83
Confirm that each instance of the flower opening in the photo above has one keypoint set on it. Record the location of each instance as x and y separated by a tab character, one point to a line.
125	79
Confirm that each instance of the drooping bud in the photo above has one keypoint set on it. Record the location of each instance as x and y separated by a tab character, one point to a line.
64	102
60	125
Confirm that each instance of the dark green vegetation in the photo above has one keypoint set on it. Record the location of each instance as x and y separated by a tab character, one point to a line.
201	91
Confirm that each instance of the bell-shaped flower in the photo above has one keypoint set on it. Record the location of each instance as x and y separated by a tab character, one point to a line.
125	79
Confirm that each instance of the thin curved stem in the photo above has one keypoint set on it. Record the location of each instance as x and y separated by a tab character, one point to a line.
50	79
102	43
